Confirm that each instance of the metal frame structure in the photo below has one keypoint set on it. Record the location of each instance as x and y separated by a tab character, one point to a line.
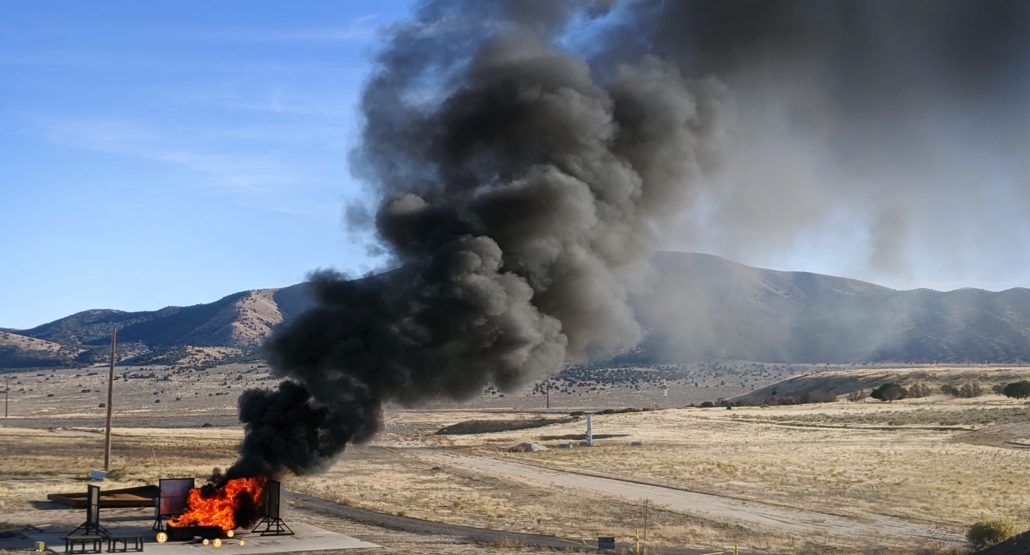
92	526
273	524
171	501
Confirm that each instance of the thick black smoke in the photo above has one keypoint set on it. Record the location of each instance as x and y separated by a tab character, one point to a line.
521	186
518	198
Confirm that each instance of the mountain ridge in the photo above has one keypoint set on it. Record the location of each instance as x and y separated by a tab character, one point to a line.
696	307
703	307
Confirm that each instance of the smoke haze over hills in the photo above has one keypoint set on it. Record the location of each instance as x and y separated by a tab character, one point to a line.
882	139
704	308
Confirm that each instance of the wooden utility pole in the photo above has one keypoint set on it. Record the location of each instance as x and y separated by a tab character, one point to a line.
645	518
7	395
548	394
110	398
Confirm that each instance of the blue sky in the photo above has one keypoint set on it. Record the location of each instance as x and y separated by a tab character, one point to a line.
156	154
169	154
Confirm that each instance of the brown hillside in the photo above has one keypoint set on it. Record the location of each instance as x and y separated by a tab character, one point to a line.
843	382
244	323
19	350
24	343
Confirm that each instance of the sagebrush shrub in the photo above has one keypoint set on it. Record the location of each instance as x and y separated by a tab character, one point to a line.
919	390
989	532
889	391
970	390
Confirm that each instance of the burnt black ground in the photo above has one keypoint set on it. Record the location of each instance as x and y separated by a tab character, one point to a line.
1016	545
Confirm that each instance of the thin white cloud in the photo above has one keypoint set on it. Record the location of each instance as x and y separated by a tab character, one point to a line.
359	29
128	138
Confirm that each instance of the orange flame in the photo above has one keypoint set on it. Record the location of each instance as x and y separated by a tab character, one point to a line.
218	509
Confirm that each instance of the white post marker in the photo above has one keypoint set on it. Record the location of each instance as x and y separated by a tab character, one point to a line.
590	432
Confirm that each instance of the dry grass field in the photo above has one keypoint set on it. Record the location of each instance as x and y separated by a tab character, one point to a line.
936	460
918	473
188	395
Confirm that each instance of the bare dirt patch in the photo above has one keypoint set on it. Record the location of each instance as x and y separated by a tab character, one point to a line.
491	426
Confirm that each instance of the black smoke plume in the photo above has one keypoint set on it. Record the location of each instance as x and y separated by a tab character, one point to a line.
522	174
518	195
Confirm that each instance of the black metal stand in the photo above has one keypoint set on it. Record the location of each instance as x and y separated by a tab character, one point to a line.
92	526
90	530
273	527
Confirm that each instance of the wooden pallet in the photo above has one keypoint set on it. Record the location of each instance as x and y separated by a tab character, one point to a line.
142	496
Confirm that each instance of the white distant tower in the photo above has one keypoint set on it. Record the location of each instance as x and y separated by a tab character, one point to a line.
590	432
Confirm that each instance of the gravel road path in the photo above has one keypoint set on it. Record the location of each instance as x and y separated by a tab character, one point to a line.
466	533
743	511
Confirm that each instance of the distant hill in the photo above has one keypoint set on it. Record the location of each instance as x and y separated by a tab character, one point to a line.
22	351
703	307
697	307
841	382
234	326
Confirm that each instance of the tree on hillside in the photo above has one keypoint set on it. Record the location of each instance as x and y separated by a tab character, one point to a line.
918	390
1019	390
970	390
889	391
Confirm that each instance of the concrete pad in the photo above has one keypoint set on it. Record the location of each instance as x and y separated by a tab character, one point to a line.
306	538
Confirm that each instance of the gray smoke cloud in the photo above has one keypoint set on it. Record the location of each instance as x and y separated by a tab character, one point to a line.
886	140
518	196
882	139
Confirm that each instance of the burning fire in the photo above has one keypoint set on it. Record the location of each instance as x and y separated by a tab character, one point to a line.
219	508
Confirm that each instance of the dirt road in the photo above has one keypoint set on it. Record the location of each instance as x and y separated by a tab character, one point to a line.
480	536
714	506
